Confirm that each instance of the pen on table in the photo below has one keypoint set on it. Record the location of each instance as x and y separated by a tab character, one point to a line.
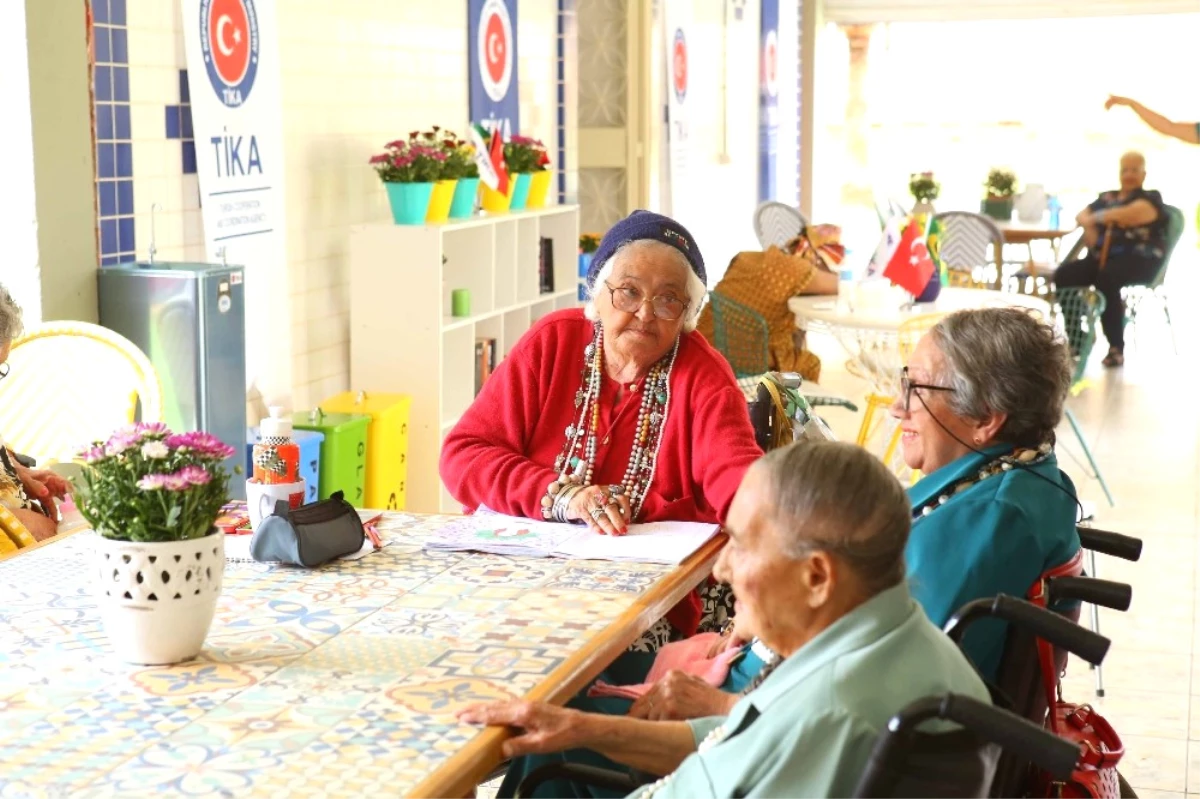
373	534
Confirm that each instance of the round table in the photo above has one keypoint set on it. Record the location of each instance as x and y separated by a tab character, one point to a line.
870	334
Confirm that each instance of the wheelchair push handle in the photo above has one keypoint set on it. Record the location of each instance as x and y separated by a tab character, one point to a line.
1119	546
1013	734
1042	623
1104	593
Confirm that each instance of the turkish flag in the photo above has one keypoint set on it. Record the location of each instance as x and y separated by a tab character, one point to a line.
910	266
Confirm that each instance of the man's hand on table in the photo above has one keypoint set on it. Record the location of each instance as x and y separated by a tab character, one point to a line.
680	696
543	728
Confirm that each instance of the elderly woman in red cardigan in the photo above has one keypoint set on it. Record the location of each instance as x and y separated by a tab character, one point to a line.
613	414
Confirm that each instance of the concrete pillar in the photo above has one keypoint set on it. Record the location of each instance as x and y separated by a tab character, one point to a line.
856	186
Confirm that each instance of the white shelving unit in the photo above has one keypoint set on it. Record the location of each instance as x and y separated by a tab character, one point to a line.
403	337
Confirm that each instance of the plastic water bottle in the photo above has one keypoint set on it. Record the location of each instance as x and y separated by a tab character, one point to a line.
846	288
276	456
1055	207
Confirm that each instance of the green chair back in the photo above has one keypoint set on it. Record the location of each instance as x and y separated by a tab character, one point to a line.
741	335
1080	309
1175	225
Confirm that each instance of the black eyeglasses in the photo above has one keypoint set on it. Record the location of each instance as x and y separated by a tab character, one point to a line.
907	387
630	300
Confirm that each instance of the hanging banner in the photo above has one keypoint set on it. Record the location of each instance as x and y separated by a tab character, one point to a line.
493	96
232	49
677	25
768	101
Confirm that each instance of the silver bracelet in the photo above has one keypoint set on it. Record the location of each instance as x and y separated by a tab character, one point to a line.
563	500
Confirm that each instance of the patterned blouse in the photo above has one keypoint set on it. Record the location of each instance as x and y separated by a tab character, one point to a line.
12	493
1145	241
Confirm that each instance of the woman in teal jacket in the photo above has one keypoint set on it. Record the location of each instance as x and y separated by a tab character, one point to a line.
978	404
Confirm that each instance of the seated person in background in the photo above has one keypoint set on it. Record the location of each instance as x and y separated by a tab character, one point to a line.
613	414
765	281
29	495
978	404
819	575
1126	235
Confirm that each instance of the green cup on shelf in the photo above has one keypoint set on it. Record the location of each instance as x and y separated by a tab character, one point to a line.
460	302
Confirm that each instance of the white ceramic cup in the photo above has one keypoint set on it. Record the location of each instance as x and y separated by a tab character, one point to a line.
261	498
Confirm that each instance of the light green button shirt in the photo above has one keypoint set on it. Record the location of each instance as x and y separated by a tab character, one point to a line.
808	729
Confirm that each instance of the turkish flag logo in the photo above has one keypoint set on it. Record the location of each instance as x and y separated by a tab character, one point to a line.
910	266
229	39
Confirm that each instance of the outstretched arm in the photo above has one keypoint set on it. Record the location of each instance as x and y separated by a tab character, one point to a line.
1184	131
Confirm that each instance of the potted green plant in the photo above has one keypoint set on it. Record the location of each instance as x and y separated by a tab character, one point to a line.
522	156
153	496
924	190
408	170
1001	185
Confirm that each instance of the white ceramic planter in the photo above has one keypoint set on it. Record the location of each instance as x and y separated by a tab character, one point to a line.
157	599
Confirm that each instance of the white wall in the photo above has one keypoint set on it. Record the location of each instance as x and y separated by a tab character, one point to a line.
355	75
18	224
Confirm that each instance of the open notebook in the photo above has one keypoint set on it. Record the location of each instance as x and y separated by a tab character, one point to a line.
487	531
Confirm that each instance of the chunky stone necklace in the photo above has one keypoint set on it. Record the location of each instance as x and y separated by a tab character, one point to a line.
1018	458
576	464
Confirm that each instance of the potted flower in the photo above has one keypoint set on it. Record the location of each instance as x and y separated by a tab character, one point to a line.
539	181
408	170
153	497
1001	185
924	190
460	165
522	156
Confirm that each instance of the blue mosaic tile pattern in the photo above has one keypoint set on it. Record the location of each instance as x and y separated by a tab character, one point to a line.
114	148
179	124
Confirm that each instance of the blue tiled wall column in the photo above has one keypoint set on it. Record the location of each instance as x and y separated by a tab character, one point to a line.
114	147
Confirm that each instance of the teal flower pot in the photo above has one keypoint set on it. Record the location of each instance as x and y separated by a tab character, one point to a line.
410	202
521	192
463	204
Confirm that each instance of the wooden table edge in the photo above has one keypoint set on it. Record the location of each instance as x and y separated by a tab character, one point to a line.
461	773
54	539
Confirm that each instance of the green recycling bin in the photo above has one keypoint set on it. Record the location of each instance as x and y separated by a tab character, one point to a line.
343	452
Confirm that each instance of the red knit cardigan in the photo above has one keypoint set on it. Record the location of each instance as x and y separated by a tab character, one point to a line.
501	453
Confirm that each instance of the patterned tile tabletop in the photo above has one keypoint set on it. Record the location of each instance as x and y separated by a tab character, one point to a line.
340	681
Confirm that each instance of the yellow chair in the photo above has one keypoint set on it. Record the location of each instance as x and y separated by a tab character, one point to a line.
72	383
907	336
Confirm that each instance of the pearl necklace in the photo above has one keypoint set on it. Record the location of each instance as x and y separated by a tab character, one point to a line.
1018	457
576	463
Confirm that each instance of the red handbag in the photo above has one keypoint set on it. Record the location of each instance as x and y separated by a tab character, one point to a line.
1100	747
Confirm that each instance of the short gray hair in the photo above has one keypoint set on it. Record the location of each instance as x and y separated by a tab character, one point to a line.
838	497
697	291
11	326
1003	360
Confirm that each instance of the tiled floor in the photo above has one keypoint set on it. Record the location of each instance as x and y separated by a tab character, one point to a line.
1145	435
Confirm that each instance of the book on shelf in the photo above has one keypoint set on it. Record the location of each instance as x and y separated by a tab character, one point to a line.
546	265
485	361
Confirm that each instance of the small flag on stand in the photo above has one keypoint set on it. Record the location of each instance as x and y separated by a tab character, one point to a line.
933	242
910	266
489	157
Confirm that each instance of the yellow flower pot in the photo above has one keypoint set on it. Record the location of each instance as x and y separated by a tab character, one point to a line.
495	202
539	188
439	201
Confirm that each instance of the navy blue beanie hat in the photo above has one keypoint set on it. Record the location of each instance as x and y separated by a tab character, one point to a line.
647	225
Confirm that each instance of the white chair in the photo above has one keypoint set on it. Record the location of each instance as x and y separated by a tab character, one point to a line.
777	223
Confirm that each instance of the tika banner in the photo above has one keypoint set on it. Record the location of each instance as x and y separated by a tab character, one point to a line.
493	98
677	26
768	100
233	72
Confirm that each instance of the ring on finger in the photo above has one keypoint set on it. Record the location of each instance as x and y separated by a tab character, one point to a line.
616	490
597	512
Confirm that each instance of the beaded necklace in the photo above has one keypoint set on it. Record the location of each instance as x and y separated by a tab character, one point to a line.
1020	456
576	463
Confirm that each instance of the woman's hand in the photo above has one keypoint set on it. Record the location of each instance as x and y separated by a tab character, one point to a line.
45	486
679	696
1114	99
544	728
605	509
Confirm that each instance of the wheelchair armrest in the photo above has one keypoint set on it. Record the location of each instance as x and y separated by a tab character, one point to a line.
25	460
577	772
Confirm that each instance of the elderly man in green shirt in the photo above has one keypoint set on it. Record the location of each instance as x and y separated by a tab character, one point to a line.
816	558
